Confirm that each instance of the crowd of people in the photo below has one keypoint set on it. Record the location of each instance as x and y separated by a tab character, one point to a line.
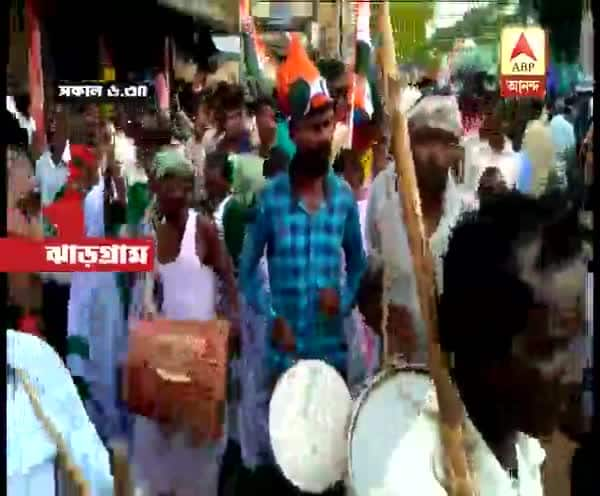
260	215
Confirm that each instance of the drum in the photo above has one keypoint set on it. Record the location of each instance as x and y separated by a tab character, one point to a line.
308	418
382	414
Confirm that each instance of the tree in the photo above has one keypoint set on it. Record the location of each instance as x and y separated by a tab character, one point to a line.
409	20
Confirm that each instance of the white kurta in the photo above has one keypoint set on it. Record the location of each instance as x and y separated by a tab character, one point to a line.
30	449
171	463
387	239
479	156
416	466
95	315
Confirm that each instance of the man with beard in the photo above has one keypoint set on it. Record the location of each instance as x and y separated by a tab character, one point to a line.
306	219
434	128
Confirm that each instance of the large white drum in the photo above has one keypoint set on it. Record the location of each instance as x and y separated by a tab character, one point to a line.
308	419
383	413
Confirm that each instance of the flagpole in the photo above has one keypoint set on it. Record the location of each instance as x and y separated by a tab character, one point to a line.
36	77
348	144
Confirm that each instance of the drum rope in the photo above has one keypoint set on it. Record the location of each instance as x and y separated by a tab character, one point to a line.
385	312
75	473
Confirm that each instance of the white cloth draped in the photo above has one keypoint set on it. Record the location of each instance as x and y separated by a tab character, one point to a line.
384	215
95	314
30	449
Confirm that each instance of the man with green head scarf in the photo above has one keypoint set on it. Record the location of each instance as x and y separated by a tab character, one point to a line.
248	181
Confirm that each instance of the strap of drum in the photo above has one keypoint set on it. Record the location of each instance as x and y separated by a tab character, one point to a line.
387	359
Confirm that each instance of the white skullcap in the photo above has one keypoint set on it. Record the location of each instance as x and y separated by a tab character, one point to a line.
437	112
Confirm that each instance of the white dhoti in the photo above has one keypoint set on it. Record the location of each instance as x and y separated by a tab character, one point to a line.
166	464
97	334
97	342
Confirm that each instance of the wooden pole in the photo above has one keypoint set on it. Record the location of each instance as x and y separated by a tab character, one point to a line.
36	79
120	465
450	405
451	409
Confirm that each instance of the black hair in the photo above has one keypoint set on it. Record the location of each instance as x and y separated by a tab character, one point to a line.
22	103
220	161
84	107
338	164
490	172
262	102
537	107
331	69
295	120
345	157
191	101
278	161
233	98
13	133
485	302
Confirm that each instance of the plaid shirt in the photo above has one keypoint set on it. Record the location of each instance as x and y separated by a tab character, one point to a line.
305	254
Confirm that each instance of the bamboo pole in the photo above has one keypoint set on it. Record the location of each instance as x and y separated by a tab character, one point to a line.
451	409
387	52
450	406
121	472
75	483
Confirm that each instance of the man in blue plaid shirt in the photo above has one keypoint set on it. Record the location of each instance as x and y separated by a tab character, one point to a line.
307	220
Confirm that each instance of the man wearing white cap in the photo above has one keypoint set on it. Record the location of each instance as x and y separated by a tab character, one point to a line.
435	129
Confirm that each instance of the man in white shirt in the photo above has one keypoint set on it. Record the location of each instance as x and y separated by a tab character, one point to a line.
51	174
435	128
33	368
490	149
563	137
507	316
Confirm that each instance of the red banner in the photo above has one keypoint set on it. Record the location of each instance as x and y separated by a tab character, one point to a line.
87	255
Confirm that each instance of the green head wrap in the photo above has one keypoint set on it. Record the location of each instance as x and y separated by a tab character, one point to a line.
248	179
171	162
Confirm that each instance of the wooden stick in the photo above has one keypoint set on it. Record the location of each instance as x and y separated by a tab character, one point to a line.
450	405
76	484
120	466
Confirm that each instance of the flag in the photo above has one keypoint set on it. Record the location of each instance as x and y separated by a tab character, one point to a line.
257	61
364	96
300	86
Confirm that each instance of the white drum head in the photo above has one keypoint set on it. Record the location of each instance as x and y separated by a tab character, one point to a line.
382	415
308	416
